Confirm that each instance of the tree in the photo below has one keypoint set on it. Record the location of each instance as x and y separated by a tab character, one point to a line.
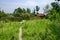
57	0
37	9
28	10
34	11
54	12
46	9
18	10
56	7
24	11
3	14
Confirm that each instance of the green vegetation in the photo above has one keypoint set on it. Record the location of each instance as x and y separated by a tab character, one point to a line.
41	30
34	28
9	31
37	9
38	29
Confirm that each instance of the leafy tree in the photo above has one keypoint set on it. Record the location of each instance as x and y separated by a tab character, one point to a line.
28	10
37	9
57	0
24	10
21	14
54	12
18	10
3	14
34	11
46	9
55	5
32	14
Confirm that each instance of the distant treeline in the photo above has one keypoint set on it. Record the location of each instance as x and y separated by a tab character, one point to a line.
18	15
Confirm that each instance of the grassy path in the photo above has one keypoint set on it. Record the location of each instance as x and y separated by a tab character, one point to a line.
20	31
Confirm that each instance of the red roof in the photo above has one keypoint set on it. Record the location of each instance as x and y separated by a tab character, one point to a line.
40	15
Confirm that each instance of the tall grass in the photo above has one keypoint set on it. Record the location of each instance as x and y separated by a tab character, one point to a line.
38	29
42	29
9	31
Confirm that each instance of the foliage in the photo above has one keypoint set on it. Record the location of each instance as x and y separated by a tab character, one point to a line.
54	27
19	14
34	30
28	10
3	14
18	10
24	10
54	13
37	29
37	8
42	29
57	0
9	30
56	6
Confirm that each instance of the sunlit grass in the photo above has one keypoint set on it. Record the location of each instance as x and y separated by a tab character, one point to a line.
9	30
33	28
38	29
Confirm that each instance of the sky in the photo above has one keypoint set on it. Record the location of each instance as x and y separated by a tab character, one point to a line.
9	5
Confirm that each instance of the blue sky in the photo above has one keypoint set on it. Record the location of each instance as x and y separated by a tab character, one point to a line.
9	5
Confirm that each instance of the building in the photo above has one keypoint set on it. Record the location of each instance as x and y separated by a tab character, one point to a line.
40	15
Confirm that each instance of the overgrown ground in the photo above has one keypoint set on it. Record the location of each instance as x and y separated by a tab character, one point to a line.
38	29
9	31
42	29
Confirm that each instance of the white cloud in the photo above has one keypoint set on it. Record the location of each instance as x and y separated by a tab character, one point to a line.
25	4
34	2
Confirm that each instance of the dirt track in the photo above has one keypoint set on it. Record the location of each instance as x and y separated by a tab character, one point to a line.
20	31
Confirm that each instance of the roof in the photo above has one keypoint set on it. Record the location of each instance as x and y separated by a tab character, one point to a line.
40	14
